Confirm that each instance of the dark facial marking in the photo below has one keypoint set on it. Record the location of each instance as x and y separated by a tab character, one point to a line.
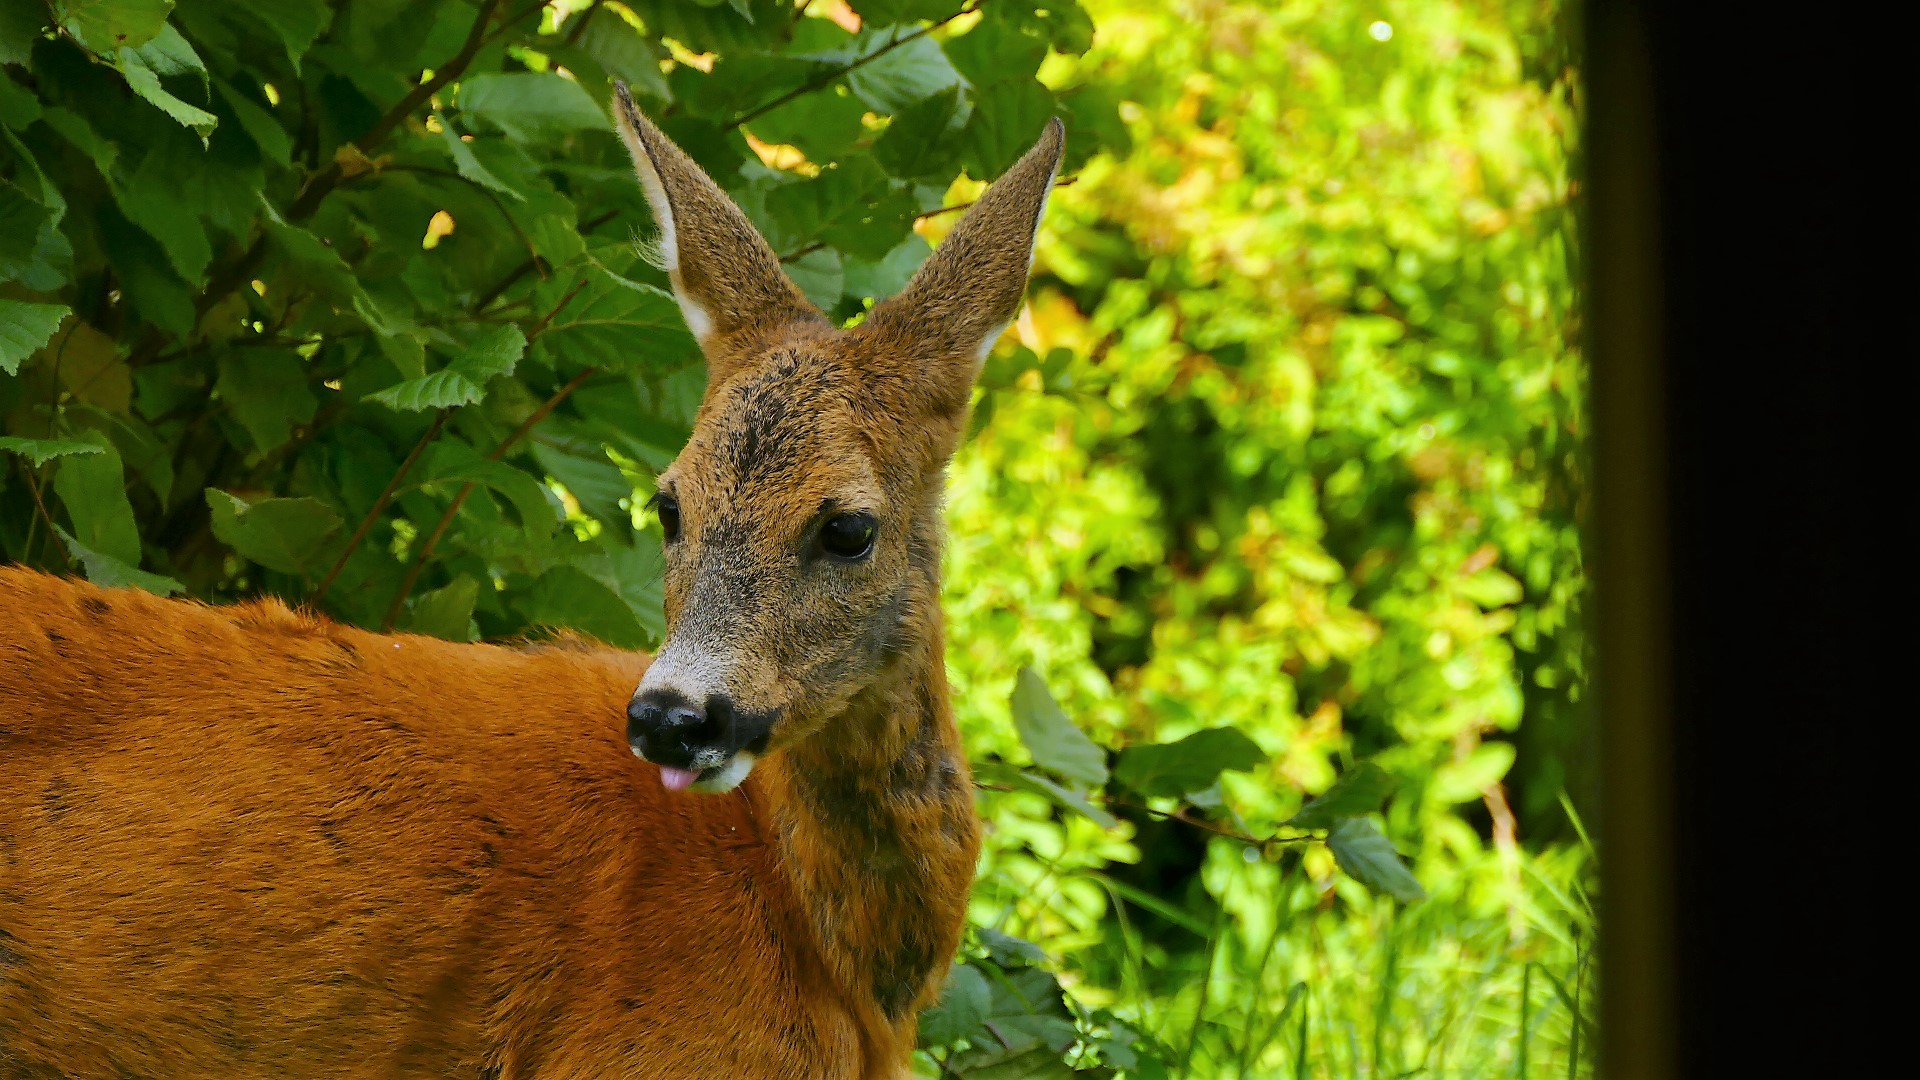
95	607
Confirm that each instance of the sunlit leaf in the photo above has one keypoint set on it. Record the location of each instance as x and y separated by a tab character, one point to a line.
1190	764
1051	738
104	26
1363	850
1360	790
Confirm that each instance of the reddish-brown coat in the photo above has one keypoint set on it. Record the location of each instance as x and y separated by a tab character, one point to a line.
246	842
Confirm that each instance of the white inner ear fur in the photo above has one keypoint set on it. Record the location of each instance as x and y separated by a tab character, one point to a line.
981	350
698	320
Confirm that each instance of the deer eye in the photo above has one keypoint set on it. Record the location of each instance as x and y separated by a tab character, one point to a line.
668	508
848	536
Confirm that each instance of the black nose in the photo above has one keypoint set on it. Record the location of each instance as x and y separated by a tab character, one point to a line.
667	729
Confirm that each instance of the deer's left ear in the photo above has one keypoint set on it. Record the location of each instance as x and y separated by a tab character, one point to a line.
725	276
969	290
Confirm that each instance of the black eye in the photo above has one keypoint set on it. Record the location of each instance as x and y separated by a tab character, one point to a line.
669	510
848	536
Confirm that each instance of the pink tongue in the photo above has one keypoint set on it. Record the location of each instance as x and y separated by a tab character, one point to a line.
678	779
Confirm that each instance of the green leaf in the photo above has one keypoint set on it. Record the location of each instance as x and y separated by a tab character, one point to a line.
1023	780
293	536
888	12
909	73
1467	779
140	448
923	139
1007	118
90	367
103	26
268	393
18	107
21	26
1009	951
93	488
596	483
1035	1063
469	166
77	131
1364	852
1360	790
1027	1013
295	22
259	124
1492	588
22	224
825	125
624	53
318	264
105	570
530	106
446	612
888	275
853	206
150	198
146	83
1051	738
24	327
450	461
567	596
41	451
170	54
489	352
1190	764
621	325
963	1005
444	389
819	274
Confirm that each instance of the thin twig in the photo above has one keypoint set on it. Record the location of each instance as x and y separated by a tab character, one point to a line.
803	252
40	504
833	76
1179	815
580	25
541	326
379	504
460	497
524	268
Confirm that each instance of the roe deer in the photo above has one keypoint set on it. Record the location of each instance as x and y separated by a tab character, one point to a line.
249	842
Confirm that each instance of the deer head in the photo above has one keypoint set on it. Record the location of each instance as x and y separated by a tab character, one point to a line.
802	520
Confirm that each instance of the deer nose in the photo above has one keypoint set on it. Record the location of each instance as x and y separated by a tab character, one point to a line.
667	729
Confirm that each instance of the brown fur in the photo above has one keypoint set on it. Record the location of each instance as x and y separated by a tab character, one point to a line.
246	842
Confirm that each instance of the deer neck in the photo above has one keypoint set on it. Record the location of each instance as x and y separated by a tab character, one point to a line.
878	832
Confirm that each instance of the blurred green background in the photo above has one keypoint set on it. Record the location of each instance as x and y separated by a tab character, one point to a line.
1308	462
1273	491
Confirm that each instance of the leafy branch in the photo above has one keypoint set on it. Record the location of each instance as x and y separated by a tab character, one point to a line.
822	81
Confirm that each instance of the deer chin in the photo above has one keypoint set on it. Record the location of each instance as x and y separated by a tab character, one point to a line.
718	780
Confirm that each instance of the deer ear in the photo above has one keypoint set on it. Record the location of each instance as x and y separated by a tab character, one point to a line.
969	290
725	277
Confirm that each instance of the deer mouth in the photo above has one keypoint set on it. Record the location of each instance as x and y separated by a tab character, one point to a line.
716	780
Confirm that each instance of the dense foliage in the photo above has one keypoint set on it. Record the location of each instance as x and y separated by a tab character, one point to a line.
1264	562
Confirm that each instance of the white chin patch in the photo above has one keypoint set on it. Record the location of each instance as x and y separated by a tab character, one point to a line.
729	776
